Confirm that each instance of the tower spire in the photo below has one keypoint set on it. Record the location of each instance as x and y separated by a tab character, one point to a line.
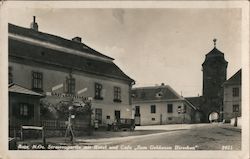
215	42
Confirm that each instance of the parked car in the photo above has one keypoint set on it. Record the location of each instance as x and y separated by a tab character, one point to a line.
124	124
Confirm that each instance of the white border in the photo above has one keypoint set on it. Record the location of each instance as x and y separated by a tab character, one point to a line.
244	153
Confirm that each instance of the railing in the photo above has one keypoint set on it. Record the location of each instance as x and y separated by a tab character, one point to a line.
62	124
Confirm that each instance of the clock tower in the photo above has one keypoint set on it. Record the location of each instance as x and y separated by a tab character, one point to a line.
214	75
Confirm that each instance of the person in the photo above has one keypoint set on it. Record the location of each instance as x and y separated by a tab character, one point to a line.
109	124
96	124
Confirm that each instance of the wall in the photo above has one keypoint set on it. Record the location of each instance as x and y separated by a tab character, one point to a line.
161	112
229	101
54	76
16	122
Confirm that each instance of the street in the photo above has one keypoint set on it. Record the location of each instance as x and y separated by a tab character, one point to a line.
156	137
198	137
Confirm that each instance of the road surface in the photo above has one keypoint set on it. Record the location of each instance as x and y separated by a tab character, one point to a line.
205	137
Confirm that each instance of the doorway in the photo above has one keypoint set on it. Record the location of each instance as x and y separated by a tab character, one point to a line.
137	115
117	115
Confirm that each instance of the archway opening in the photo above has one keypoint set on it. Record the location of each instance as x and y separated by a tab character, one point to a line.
213	117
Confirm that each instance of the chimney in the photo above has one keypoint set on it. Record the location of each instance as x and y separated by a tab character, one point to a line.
77	39
34	25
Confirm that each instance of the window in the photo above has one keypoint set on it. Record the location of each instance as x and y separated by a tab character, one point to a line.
37	81
179	109
170	108
236	108
98	90
153	119
10	75
70	85
169	118
236	92
137	110
108	117
98	115
25	110
117	94
153	109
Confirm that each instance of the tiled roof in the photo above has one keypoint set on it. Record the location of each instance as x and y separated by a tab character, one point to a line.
235	79
195	101
14	88
28	52
54	40
154	93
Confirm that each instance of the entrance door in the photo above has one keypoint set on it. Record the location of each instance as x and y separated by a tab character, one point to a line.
117	115
137	115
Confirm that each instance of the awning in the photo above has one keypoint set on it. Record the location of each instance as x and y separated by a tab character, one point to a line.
14	88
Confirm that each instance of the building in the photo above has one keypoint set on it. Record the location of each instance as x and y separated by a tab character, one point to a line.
160	105
232	97
214	75
62	69
24	107
214	70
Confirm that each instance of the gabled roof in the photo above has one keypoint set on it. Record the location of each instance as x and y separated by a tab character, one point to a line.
195	101
29	52
14	88
49	38
154	93
235	79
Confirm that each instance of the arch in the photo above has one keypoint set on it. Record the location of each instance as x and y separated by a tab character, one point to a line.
213	116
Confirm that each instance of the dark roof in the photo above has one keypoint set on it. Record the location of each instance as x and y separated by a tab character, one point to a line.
35	53
154	93
235	79
14	88
215	54
195	101
54	40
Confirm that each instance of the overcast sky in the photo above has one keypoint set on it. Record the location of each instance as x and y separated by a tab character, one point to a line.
152	46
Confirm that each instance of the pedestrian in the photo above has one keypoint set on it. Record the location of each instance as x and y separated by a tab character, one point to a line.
96	125
109	123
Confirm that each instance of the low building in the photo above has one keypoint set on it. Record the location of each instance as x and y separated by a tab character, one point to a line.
232	97
24	108
62	69
160	105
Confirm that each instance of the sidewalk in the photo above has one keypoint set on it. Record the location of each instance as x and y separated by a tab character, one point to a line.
229	127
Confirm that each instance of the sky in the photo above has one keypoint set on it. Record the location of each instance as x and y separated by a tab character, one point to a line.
152	46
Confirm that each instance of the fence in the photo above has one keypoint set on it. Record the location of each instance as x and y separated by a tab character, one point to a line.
60	124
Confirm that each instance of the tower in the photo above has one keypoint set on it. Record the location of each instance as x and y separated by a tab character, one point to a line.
214	75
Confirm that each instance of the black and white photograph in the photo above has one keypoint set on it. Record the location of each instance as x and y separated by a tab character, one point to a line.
126	79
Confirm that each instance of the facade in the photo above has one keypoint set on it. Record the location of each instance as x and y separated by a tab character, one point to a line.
62	69
232	97
159	105
214	75
24	107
